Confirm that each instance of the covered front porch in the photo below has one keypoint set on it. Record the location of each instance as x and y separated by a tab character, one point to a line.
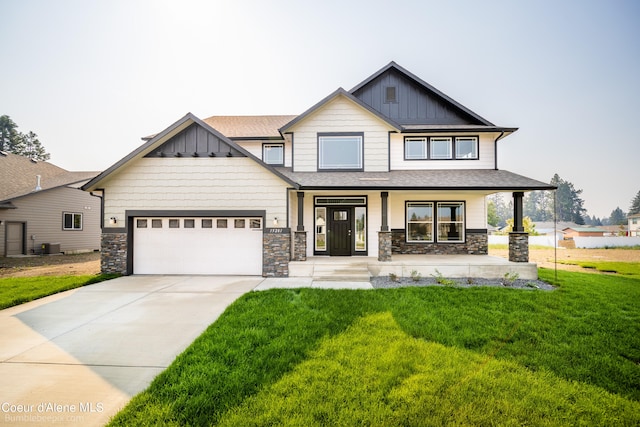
449	266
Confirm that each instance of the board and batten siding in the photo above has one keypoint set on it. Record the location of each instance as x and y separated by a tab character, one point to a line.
43	214
486	154
475	206
341	115
220	183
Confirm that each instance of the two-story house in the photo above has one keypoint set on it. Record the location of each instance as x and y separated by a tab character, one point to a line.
389	168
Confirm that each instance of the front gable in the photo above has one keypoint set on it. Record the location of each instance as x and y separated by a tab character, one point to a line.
404	98
196	141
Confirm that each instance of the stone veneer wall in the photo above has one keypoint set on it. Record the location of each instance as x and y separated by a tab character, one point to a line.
300	246
384	246
476	244
276	252
519	247
113	255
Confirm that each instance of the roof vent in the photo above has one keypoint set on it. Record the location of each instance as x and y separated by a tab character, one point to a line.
38	179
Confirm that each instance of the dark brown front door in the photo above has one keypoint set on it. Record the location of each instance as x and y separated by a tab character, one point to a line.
340	231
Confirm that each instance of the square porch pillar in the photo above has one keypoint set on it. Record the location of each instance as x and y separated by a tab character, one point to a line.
300	246
519	247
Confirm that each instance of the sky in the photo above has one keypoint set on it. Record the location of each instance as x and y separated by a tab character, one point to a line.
91	78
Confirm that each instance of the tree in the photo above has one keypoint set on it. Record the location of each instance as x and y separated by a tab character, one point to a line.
527	224
617	217
538	205
498	211
15	142
635	205
569	205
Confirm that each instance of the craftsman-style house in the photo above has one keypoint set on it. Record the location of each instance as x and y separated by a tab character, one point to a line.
390	167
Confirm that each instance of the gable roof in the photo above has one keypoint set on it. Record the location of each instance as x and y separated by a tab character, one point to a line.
166	135
18	176
583	229
339	92
249	127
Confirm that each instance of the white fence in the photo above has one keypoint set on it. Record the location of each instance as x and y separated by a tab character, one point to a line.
581	242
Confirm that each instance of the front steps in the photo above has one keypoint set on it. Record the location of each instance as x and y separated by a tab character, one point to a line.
332	270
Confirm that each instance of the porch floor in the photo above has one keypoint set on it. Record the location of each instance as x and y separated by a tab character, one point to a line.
485	266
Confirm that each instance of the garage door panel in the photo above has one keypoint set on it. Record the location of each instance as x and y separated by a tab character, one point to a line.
198	250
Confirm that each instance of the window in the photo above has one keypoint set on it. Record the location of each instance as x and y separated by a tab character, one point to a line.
207	223
273	154
255	223
340	152
390	95
419	222
361	228
415	148
238	223
174	223
440	147
71	221
141	223
221	223
450	221
189	223
467	147
321	229
156	223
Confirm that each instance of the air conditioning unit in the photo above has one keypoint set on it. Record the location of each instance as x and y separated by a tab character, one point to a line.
50	248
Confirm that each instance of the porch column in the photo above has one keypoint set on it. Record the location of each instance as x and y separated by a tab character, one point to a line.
384	235
518	227
384	195
518	239
300	236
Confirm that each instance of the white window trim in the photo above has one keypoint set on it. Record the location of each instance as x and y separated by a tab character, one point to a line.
355	167
73	222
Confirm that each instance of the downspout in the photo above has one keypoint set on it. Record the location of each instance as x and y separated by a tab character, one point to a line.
101	206
495	150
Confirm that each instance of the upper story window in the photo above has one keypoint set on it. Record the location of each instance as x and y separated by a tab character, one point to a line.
273	154
71	221
390	95
340	151
441	148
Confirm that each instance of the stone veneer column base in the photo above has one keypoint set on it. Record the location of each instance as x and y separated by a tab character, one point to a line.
113	253
384	246
276	252
519	247
300	246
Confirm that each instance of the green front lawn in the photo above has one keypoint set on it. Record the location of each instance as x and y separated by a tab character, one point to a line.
18	290
412	356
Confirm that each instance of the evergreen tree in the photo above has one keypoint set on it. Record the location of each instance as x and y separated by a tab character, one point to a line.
635	205
538	205
15	142
569	205
617	217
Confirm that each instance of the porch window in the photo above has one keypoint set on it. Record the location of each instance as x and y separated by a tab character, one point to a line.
321	229
467	147
451	221
415	148
71	221
419	221
273	154
440	147
361	229
340	152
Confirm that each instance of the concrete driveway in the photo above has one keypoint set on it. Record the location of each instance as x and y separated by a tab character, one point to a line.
76	358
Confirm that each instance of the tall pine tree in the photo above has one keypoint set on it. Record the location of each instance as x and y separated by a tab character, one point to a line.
635	205
15	142
569	205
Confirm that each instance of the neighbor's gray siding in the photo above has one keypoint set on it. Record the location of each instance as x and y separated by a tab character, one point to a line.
42	212
414	105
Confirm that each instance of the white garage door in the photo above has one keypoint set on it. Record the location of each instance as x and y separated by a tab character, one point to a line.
197	246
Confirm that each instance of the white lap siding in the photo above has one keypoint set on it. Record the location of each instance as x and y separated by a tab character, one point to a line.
200	183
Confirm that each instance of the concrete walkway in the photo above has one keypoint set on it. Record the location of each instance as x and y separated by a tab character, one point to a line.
76	358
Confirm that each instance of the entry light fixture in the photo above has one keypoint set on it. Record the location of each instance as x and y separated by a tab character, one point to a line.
275	221
113	220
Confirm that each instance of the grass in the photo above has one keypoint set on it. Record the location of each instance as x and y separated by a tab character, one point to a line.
18	290
624	268
411	356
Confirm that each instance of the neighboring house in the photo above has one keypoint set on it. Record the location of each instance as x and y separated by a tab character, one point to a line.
615	230
572	232
634	224
42	204
391	167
